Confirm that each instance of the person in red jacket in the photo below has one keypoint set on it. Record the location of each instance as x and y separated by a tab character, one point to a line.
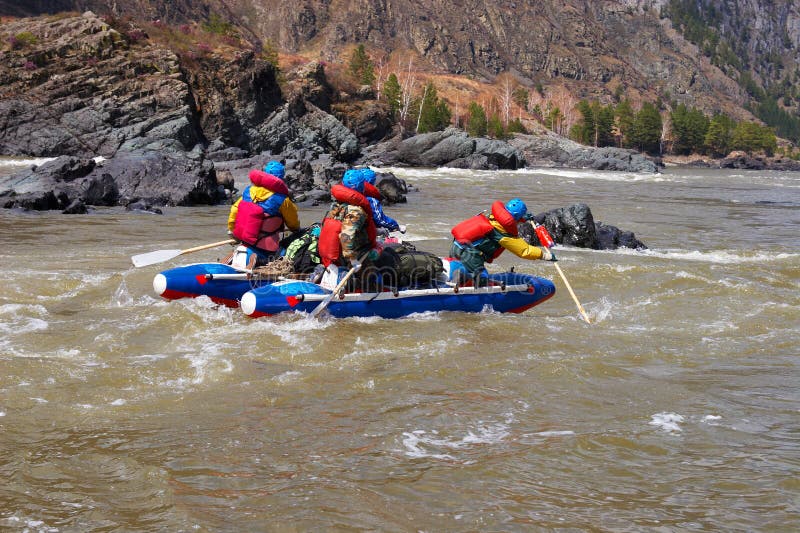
480	239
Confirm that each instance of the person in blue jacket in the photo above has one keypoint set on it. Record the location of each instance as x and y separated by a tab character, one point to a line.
382	220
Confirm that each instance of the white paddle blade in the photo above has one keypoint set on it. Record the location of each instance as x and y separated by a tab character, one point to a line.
151	258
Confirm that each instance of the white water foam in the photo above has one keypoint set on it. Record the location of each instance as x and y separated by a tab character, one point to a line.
723	257
595	175
416	442
667	422
122	296
564	433
8	162
288	376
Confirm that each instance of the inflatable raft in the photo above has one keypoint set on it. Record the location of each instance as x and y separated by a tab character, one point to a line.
224	284
508	292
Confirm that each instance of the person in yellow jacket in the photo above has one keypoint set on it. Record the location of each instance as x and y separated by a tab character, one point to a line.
257	218
482	238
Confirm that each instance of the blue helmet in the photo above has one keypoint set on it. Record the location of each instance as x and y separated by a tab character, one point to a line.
354	179
517	208
275	168
369	175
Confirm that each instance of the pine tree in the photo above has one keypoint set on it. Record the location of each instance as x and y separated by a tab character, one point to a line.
605	125
584	130
477	124
719	135
495	127
521	96
516	126
689	128
625	119
361	66
751	137
646	134
434	114
393	93
553	118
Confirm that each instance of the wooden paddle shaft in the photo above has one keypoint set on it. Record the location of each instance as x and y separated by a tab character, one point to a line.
572	293
207	246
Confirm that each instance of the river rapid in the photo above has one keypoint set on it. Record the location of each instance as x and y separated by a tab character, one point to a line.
678	408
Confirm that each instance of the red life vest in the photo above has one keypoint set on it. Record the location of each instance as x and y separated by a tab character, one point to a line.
272	183
253	226
479	227
372	191
330	247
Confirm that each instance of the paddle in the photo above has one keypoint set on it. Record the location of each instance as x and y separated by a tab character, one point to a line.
159	256
547	241
324	303
572	293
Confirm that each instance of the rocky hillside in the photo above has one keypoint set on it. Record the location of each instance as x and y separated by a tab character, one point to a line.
590	46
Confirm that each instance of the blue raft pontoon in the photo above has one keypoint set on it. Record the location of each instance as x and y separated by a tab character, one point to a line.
507	292
222	283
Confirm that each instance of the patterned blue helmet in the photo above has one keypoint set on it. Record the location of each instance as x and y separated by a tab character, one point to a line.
369	175
517	208
275	168
354	179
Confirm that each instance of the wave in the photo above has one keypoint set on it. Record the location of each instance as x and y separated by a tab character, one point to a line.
13	162
419	443
722	257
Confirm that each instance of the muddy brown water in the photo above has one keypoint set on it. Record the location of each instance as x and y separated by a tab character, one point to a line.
677	409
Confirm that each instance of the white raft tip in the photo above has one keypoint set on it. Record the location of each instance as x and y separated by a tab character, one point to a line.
248	303
160	284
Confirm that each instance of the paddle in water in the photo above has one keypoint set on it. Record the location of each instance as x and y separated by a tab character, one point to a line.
159	256
547	241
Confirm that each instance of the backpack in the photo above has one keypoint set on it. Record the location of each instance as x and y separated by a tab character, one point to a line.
417	267
302	251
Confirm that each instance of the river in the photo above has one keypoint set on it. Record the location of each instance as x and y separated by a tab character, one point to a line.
678	408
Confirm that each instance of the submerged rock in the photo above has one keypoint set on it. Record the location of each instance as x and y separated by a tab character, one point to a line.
575	226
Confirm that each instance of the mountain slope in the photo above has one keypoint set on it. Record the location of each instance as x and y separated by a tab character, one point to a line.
591	47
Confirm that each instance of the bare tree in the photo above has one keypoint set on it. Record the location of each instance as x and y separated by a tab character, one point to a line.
380	75
508	84
407	85
421	105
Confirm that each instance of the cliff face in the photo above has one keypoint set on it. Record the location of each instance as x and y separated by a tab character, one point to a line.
77	86
590	45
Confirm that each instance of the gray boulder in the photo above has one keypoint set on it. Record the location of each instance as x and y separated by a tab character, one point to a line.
161	178
575	226
393	189
451	147
551	150
158	178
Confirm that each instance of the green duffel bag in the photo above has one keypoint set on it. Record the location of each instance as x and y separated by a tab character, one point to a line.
417	267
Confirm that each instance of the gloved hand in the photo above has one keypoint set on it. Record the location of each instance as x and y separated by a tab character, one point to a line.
547	255
373	255
402	228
